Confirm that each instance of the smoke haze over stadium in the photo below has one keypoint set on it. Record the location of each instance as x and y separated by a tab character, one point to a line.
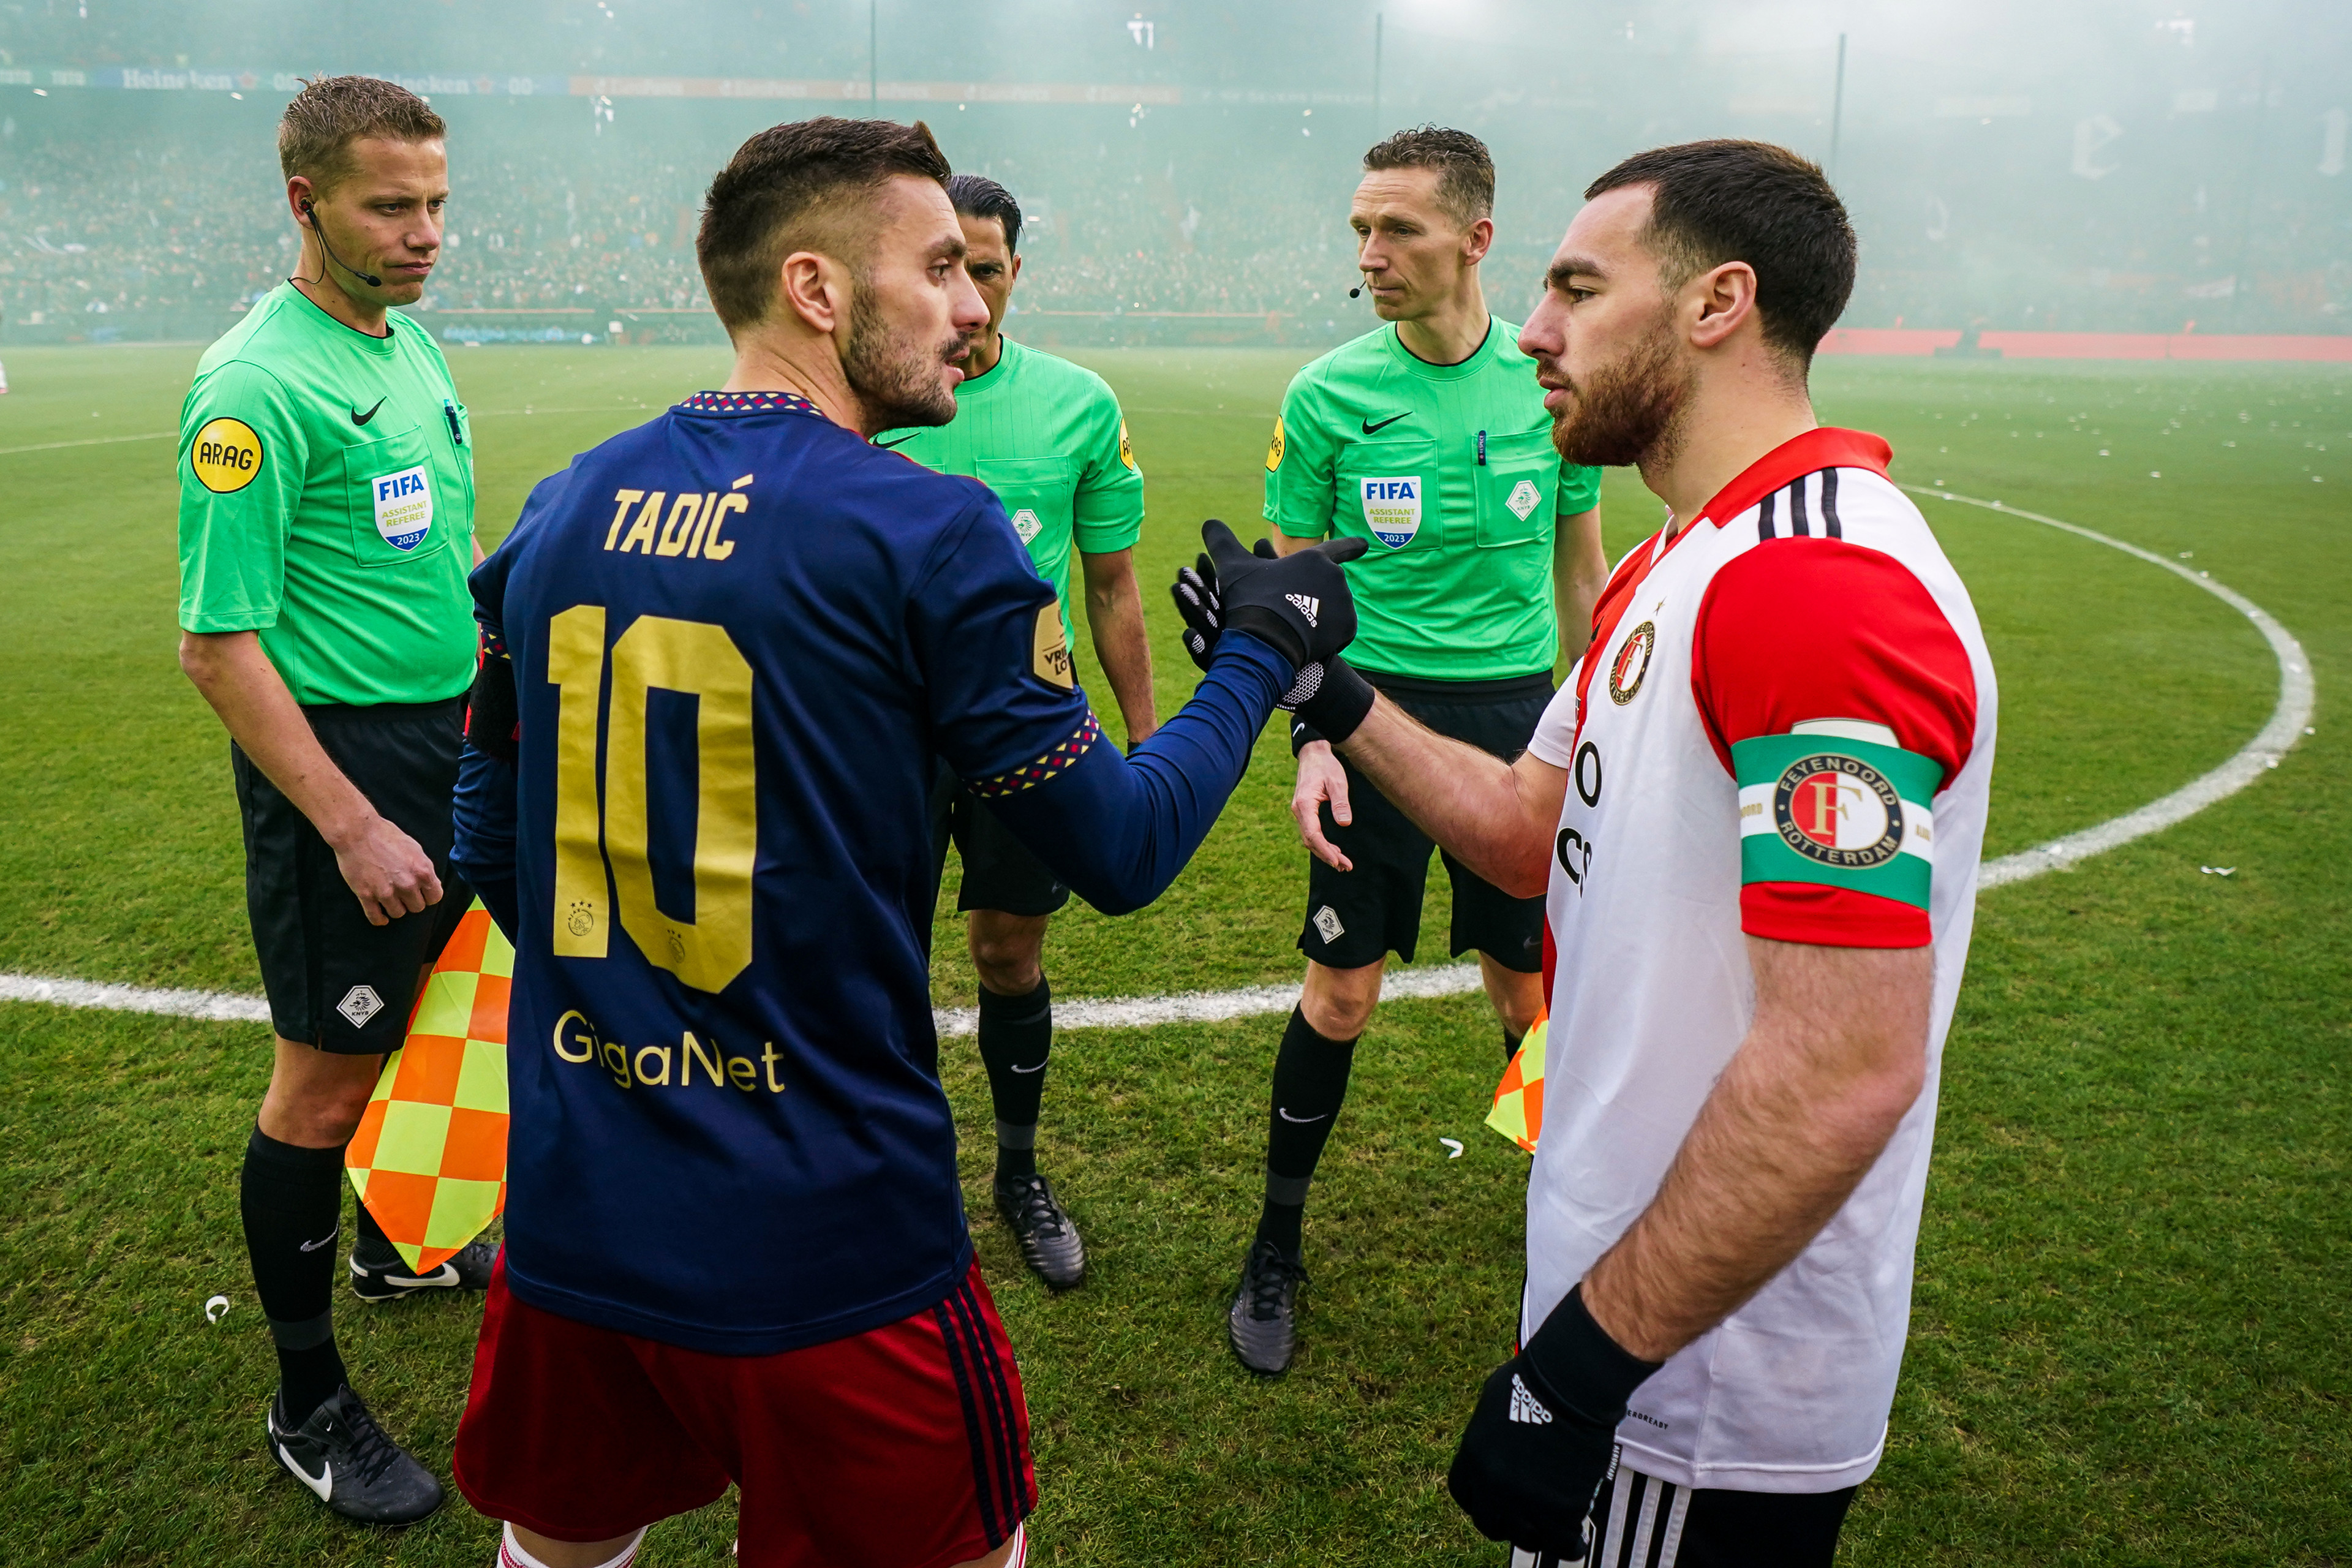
2076	166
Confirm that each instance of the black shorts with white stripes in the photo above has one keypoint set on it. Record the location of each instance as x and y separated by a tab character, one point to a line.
1640	1521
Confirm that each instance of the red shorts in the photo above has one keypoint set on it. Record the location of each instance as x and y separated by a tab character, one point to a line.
904	1447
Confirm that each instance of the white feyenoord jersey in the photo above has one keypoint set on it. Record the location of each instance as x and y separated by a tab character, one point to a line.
1784	728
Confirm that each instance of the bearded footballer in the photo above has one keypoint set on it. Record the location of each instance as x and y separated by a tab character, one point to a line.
737	643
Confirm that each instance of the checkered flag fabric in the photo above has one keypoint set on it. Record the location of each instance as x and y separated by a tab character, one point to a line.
1519	1099
429	1159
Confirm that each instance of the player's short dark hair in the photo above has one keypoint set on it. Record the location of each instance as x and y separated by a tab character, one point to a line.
1465	171
977	195
781	193
1721	201
316	132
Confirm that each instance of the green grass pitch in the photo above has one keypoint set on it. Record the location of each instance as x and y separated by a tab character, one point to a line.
2128	1340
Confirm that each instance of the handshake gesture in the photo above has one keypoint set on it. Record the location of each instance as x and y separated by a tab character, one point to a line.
1297	605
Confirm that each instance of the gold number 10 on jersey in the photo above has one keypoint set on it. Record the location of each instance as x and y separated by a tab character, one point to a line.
690	657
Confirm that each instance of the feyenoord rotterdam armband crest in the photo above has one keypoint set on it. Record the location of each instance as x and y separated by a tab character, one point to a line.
1836	812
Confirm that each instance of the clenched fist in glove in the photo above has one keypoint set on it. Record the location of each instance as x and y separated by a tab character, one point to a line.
1543	1436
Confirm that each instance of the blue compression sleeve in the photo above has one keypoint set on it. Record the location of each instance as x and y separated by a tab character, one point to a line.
484	848
1118	830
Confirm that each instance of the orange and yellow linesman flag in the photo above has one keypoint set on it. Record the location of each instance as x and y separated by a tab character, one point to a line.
1519	1099
429	1159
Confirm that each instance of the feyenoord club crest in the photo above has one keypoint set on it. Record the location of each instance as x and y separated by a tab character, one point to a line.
1632	662
1837	810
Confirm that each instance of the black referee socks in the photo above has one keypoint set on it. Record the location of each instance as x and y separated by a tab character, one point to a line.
291	1199
1310	1082
1016	1037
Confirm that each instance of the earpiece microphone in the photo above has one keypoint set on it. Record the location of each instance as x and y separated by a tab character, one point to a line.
312	212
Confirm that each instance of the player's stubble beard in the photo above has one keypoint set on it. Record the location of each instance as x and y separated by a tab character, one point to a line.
894	373
1628	413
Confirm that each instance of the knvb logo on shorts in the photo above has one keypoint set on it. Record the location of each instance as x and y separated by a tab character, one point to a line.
1392	508
403	507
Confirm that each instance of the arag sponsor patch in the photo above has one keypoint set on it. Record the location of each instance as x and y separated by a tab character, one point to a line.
227	456
1392	507
404	506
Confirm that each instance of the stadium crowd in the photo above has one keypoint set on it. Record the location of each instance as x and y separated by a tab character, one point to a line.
131	226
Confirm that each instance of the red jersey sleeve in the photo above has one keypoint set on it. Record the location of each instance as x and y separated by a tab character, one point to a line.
1797	631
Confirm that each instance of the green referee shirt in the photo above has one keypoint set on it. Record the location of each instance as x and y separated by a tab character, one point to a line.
1046	435
327	502
1449	471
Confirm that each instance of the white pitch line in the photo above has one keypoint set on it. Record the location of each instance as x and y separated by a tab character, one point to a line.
2275	739
223	1007
89	441
2257	756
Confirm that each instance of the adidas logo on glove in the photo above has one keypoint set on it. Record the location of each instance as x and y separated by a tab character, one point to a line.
1526	1406
1307	605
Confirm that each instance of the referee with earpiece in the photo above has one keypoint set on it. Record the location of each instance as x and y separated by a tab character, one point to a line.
326	529
1428	438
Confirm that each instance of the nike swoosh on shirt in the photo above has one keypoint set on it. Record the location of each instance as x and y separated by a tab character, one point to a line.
1371	428
1301	1121
901	441
360	419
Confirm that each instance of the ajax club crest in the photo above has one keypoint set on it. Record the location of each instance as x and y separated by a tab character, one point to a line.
1839	811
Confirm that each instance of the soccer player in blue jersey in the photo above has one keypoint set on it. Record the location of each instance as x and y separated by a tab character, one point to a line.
727	650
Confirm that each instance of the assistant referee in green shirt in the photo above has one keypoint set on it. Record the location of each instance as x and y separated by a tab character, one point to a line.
1048	437
326	532
1428	437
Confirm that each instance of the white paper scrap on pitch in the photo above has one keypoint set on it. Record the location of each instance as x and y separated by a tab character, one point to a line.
2219	871
214	1309
1453	1147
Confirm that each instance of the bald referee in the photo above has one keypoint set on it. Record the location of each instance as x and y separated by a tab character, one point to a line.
326	529
1428	438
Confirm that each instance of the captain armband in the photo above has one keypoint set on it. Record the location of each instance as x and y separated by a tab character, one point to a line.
1822	806
492	720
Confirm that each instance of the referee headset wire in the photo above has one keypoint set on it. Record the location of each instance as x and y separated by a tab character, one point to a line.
310	211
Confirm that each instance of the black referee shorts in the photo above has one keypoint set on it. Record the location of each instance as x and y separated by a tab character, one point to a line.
999	870
1356	918
334	980
1640	1521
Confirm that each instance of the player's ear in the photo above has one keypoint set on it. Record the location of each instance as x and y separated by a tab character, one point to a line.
814	288
1718	302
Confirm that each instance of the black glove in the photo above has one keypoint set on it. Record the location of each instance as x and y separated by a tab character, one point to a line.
1195	593
1299	605
1543	1438
1329	697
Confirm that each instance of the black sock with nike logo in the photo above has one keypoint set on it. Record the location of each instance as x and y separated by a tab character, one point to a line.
1016	1037
1310	1083
291	1199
